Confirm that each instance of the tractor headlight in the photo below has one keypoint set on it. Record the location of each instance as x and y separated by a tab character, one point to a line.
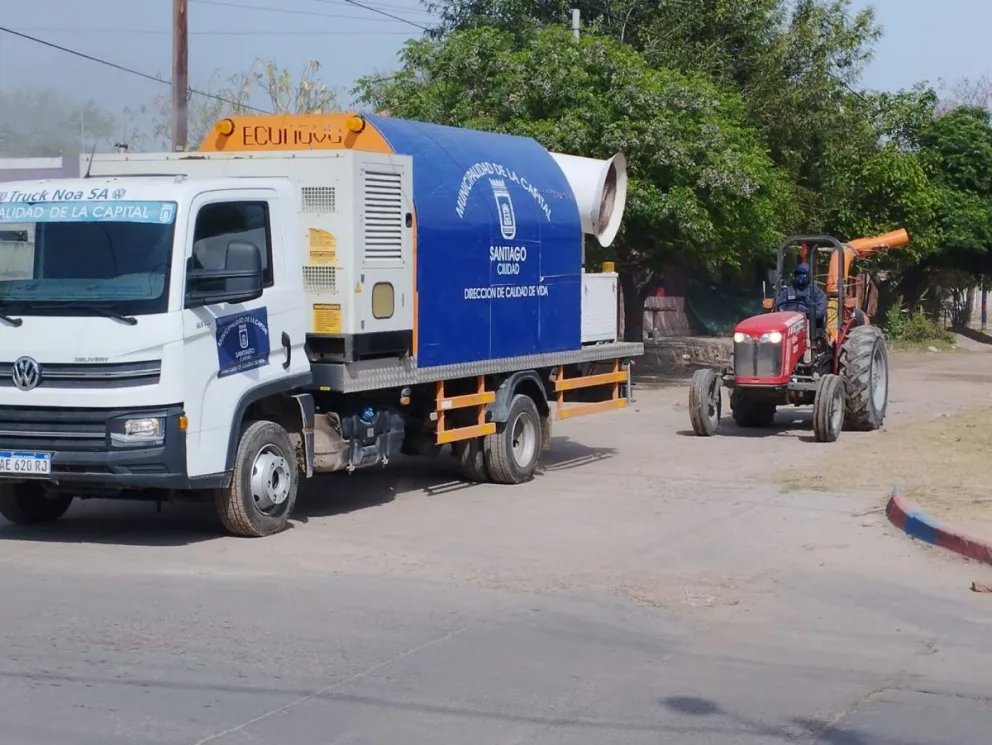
772	337
740	338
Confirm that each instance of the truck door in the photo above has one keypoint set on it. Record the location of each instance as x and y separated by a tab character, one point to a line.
235	353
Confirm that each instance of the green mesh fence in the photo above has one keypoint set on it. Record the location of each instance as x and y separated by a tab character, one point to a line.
714	311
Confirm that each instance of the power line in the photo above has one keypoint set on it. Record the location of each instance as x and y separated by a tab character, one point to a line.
122	68
159	32
381	12
292	11
385	6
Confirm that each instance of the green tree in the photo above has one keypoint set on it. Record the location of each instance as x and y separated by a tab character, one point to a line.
876	180
702	189
957	150
265	87
44	123
795	63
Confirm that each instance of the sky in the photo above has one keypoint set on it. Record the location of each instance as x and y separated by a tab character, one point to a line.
924	40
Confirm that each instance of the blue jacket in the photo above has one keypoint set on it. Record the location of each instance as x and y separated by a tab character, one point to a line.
791	298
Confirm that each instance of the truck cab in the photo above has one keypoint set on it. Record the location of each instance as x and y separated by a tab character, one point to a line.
139	315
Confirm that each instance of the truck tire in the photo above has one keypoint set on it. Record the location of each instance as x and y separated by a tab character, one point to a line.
513	450
472	460
828	409
749	413
704	402
264	483
864	366
28	504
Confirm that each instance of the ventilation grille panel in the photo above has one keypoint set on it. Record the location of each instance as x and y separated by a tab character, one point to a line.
383	215
318	199
319	280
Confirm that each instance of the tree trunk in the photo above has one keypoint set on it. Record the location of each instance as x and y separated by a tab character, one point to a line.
634	295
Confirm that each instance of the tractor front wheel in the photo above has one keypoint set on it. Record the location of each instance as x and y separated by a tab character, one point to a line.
864	365
750	413
828	409
704	402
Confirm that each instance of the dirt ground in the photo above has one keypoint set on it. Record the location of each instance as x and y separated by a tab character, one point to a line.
944	463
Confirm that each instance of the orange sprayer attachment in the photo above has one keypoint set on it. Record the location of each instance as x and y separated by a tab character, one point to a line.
860	247
893	239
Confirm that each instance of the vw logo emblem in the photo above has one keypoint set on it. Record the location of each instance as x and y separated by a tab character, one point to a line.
26	373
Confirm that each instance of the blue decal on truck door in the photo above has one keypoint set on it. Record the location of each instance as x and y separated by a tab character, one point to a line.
242	342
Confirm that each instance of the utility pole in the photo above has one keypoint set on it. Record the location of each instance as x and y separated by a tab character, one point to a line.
576	16
180	74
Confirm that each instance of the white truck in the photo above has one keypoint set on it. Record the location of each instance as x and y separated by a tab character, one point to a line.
219	324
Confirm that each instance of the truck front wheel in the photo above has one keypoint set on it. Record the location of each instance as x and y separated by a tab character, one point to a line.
27	503
264	483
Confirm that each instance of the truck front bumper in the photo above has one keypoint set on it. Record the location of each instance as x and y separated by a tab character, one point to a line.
85	453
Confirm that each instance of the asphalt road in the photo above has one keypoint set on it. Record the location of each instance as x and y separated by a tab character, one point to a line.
647	587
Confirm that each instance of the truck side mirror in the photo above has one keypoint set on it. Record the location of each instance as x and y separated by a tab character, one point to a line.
240	281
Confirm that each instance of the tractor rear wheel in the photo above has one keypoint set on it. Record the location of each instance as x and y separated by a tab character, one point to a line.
864	366
704	402
750	413
828	409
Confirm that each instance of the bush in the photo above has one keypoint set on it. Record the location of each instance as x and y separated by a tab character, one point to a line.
915	327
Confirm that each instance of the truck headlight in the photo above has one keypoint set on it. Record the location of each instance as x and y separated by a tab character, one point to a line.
772	337
138	431
740	338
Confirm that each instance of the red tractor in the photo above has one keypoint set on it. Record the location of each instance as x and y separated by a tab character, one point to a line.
836	363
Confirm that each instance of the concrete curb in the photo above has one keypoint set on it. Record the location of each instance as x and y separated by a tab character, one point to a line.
914	522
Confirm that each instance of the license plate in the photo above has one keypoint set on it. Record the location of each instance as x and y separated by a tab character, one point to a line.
25	463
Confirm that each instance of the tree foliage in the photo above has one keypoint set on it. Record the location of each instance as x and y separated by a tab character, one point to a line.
265	87
852	159
43	123
957	150
702	186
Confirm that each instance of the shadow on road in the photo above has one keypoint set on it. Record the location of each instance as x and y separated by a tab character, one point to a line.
184	523
723	723
786	422
801	730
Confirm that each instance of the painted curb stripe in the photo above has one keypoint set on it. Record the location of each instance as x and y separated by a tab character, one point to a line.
904	515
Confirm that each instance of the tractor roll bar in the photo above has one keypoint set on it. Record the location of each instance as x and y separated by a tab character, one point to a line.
813	241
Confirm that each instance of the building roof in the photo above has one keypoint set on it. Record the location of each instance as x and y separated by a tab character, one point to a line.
32	169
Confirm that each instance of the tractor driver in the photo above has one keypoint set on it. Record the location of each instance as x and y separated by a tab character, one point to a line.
801	293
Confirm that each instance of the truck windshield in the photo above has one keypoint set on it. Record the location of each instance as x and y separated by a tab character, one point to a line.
110	255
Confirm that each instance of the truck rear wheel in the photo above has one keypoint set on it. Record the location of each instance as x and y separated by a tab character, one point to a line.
828	409
750	413
864	365
471	460
513	450
27	503
264	483
704	402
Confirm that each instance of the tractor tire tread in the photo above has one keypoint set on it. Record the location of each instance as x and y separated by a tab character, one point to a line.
828	389
699	395
856	355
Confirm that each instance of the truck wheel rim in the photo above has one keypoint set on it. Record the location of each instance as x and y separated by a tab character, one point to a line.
270	479
879	379
524	440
